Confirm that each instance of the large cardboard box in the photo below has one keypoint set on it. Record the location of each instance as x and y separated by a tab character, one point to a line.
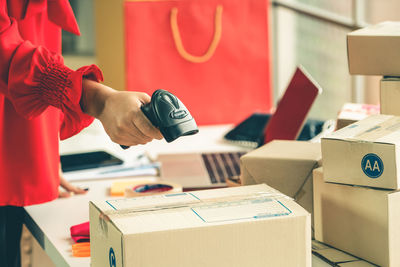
390	95
353	112
374	50
240	226
284	165
360	220
364	153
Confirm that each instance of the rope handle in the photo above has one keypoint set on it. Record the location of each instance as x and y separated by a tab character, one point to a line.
214	43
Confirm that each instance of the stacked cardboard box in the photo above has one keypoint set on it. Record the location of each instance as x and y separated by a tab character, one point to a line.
364	153
288	167
374	50
360	220
356	197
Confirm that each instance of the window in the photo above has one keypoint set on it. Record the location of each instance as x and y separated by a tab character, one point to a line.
84	44
80	50
313	33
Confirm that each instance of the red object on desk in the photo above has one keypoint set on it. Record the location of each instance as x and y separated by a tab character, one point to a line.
80	232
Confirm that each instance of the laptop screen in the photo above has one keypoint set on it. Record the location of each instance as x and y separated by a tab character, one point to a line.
287	121
292	109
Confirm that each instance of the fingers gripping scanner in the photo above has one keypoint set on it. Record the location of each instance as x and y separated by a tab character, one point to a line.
166	112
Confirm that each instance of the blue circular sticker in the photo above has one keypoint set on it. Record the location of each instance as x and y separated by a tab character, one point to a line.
372	165
111	257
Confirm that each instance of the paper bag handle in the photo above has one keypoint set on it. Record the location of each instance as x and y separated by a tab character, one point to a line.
214	43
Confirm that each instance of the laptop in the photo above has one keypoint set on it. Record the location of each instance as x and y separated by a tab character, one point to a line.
209	170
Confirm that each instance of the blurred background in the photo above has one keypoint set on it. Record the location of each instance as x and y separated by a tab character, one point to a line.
307	32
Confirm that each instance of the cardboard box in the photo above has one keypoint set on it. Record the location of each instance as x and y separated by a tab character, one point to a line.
364	153
374	50
359	220
284	165
335	257
390	95
239	226
353	112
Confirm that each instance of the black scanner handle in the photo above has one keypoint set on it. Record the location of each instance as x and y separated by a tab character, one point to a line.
166	112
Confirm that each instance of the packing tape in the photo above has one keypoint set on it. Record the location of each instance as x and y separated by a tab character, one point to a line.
155	188
118	187
271	194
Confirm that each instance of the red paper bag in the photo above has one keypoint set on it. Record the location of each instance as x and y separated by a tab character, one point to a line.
212	54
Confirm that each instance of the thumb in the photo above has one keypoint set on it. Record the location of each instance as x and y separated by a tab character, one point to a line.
144	98
63	194
69	187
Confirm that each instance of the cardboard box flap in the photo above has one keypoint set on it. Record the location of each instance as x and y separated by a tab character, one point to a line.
278	149
386	28
334	255
199	209
278	162
356	264
375	129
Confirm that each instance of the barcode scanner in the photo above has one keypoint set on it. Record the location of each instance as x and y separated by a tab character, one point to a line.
166	112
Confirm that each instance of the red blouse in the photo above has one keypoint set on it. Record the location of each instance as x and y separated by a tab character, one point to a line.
39	98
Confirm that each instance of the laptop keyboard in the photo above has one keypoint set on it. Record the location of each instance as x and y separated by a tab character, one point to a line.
222	165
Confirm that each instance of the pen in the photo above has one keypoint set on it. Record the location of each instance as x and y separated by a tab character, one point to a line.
141	167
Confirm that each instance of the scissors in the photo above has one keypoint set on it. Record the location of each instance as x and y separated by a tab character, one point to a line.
81	249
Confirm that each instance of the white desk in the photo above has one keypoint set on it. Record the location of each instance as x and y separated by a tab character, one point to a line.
50	222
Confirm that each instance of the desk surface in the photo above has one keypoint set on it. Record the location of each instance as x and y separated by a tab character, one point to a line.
50	222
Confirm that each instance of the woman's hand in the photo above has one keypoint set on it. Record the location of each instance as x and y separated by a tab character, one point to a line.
68	187
120	113
124	121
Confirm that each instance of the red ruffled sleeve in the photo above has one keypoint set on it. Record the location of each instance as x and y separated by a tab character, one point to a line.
38	78
74	119
33	78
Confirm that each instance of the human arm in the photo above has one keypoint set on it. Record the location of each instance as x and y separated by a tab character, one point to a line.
119	112
34	78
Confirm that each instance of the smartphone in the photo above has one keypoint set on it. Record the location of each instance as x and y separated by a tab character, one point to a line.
88	160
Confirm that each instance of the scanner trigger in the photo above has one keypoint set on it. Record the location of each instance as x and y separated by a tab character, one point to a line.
171	99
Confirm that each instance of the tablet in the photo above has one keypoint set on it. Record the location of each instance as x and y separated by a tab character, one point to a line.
88	160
